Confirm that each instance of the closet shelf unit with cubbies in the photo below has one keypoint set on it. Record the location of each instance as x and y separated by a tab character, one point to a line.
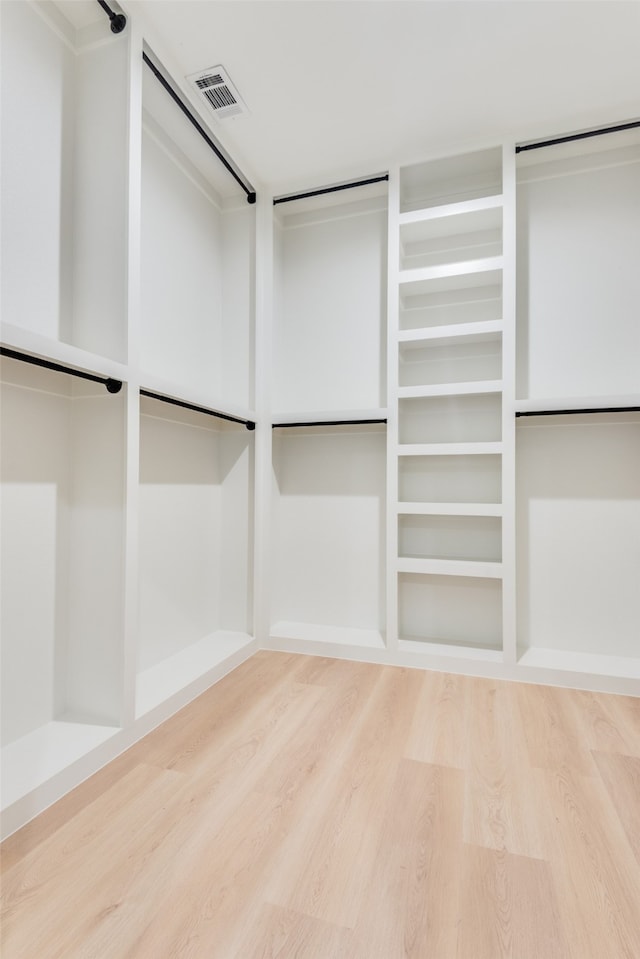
394	420
451	442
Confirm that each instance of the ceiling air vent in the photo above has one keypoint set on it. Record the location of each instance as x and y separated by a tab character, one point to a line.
216	89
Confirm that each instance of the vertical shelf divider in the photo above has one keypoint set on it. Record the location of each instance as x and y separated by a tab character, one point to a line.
393	325
509	634
132	427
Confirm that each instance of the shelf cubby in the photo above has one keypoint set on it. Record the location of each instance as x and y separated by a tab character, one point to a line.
468	358
451	180
64	221
463	418
462	479
450	610
196	549
452	301
62	572
449	537
455	234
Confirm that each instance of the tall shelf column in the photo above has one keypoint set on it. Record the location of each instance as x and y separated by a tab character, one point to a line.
453	438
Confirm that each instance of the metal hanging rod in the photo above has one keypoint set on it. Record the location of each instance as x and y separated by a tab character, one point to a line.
327	423
112	386
198	409
250	192
578	136
590	409
118	20
330	189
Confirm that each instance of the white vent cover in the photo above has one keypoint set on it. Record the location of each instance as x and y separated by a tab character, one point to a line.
214	86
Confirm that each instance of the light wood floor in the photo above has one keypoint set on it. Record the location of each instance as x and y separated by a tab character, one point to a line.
310	808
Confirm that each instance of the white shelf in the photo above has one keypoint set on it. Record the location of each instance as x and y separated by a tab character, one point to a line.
451	210
425	334
34	759
329	416
182	670
450	567
445	240
627	667
469	269
450	509
577	402
449	449
338	635
422	647
450	389
25	341
176	391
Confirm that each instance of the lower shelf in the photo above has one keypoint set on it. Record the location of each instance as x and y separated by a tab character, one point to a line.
36	758
286	630
450	650
625	667
176	673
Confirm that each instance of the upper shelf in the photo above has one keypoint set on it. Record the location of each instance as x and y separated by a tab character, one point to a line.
35	344
429	275
452	237
558	404
417	337
451	180
450	216
177	395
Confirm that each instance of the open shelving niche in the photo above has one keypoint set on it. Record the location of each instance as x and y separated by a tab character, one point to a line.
64	222
453	444
578	343
329	552
62	542
65	79
328	483
196	472
83	678
198	236
196	549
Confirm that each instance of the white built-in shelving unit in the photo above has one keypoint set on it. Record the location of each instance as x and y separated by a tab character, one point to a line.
442	366
450	438
127	519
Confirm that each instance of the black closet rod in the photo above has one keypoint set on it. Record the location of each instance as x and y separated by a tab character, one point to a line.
589	409
327	423
578	136
118	20
251	196
198	409
330	189
113	386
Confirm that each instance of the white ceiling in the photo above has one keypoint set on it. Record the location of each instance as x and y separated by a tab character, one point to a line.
341	88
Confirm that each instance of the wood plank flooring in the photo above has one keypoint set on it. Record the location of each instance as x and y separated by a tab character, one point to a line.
308	808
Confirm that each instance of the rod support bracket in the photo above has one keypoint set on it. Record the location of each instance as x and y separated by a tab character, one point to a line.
118	22
113	386
251	198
